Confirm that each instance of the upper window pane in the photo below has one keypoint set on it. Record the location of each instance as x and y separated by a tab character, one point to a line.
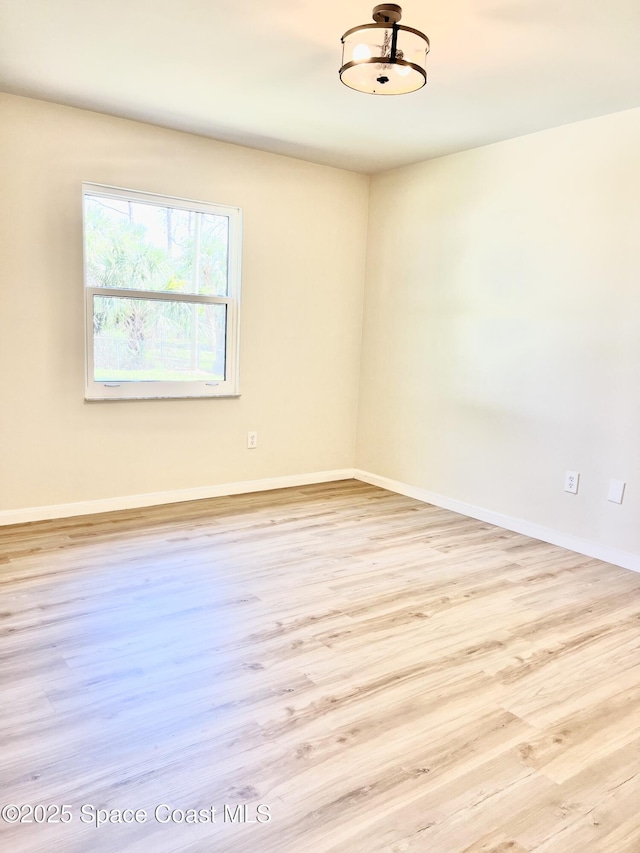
143	246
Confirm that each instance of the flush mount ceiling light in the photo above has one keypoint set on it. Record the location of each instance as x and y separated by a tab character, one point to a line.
384	58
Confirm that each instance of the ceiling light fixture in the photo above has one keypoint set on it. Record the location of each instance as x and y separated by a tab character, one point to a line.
384	58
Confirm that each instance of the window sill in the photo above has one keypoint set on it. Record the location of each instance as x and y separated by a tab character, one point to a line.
228	396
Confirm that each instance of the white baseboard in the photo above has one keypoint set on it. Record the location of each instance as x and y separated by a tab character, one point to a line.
625	559
44	513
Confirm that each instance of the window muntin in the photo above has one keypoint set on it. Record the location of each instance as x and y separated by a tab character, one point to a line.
162	295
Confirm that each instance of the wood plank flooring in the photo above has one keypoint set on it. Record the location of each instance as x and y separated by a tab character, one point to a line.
381	674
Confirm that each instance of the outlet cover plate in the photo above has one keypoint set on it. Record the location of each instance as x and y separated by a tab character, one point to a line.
571	481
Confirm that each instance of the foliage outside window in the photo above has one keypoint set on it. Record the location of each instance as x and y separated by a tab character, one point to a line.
162	289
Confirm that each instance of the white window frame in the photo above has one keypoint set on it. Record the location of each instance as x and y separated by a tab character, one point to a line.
173	389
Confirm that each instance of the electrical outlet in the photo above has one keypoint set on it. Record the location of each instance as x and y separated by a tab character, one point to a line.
252	440
616	491
571	480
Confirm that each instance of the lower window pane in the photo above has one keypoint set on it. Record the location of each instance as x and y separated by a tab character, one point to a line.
138	340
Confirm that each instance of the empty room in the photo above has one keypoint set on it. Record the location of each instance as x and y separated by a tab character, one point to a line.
319	418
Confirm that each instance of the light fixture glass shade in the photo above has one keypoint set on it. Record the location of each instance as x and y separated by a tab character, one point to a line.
384	59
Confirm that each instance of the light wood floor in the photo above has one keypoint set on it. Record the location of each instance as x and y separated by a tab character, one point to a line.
382	674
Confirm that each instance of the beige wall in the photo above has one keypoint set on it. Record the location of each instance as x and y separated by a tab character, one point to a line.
501	337
303	263
502	327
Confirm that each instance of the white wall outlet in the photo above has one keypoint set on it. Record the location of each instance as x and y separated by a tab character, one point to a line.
571	480
252	440
616	491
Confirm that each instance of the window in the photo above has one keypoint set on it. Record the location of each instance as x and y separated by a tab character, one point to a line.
162	291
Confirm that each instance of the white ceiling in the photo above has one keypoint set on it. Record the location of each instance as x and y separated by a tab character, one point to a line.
266	75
